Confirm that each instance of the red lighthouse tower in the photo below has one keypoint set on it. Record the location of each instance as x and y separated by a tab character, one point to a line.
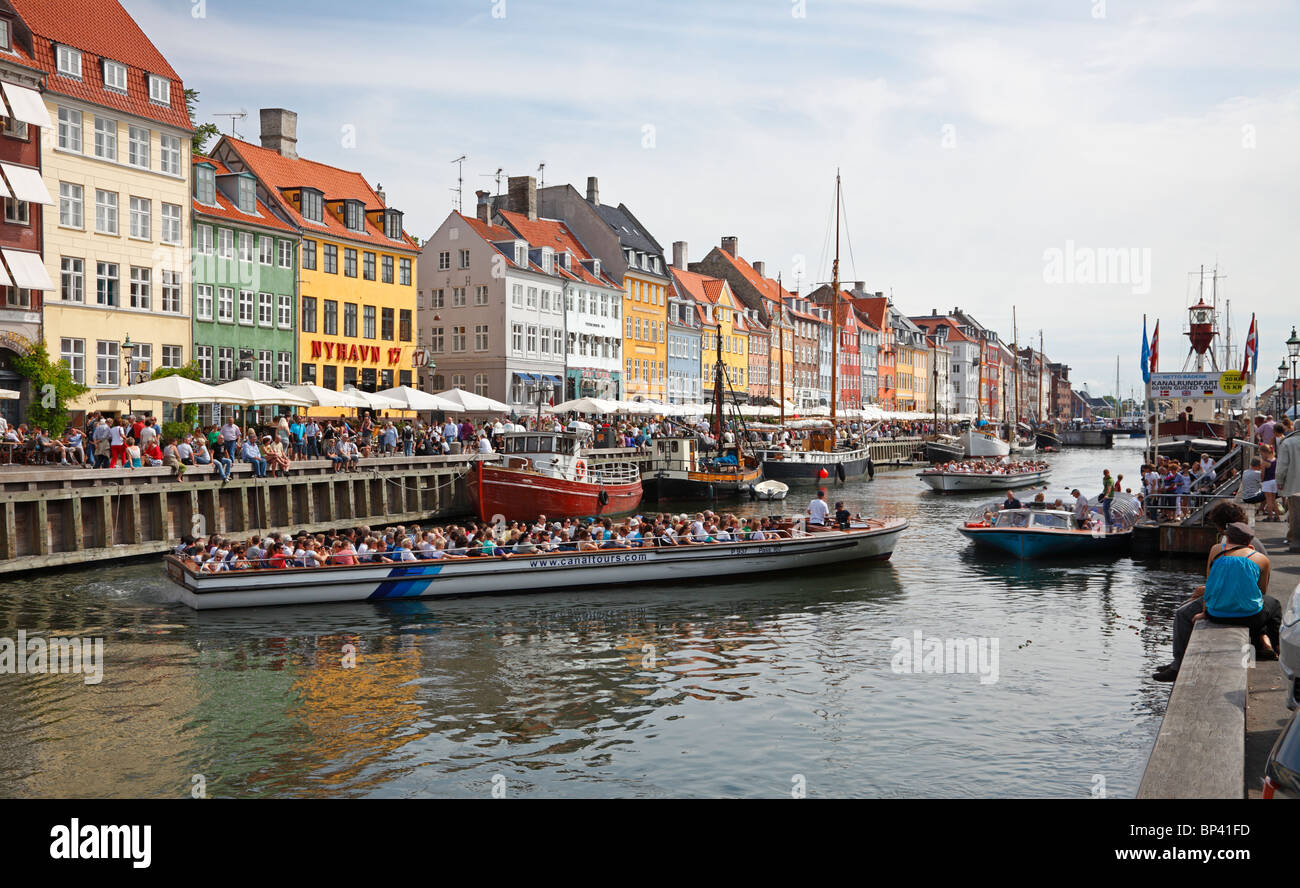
1201	331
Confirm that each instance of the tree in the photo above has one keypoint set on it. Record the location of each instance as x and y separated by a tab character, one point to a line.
52	388
202	132
191	412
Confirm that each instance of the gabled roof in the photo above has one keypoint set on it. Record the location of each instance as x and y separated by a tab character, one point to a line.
630	231
280	173
101	29
227	210
930	323
556	235
494	235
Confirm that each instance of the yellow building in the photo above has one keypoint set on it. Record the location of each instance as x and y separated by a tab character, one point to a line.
645	334
118	164
356	291
720	317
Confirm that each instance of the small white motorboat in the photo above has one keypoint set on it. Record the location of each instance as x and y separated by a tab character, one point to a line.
769	490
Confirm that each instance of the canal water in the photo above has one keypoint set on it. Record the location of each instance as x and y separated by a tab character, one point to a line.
757	687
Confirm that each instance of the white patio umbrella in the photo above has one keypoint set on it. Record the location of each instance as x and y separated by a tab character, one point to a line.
583	405
250	392
374	400
414	399
323	397
172	390
9	395
473	403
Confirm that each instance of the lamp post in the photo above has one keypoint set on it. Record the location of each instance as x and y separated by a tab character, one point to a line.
1293	349
128	349
545	389
1281	386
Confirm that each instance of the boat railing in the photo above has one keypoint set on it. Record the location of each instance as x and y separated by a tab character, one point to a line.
613	473
1125	510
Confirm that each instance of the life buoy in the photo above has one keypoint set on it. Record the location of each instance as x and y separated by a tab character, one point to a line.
580	469
839	471
603	497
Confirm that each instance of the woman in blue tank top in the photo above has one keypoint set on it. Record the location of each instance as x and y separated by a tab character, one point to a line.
1235	589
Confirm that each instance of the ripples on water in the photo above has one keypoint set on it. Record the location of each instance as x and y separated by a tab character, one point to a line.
697	689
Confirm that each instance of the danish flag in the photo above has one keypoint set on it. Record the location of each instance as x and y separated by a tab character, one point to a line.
1252	344
1155	348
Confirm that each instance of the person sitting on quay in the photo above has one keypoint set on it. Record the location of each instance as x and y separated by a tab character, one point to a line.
277	459
345	455
253	456
152	453
1235	591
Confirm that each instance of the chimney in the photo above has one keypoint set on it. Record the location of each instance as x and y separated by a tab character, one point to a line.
760	267
523	196
730	245
280	131
679	255
483	214
593	191
379	193
860	286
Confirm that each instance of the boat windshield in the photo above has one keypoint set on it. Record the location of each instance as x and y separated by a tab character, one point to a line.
1012	518
1054	520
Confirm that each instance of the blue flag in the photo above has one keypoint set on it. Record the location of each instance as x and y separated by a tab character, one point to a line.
1146	353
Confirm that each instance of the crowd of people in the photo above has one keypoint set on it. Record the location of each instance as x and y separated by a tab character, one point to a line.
1002	466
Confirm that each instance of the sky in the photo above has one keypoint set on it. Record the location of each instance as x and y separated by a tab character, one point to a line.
1076	160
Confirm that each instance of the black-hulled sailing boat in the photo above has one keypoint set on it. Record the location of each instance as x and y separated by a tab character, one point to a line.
678	470
821	455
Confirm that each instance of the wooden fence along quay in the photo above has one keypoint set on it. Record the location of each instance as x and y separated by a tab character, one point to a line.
56	517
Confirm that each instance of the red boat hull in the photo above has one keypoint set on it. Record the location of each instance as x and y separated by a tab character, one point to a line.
518	495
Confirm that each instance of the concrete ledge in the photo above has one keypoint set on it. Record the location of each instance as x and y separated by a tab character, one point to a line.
1200	752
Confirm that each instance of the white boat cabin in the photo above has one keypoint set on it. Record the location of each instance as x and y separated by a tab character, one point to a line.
557	454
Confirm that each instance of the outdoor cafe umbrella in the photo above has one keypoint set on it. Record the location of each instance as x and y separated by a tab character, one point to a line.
9	395
472	403
414	399
172	390
584	405
323	397
250	392
376	401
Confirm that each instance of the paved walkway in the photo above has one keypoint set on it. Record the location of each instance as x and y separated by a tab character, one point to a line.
1266	712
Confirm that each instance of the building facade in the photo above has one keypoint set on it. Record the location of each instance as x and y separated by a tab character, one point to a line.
357	266
119	162
25	282
685	379
244	275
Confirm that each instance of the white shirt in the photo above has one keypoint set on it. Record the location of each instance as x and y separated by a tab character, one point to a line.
1081	509
484	445
817	511
117	435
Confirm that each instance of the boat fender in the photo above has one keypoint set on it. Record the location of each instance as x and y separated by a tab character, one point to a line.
839	471
603	497
977	524
871	470
580	469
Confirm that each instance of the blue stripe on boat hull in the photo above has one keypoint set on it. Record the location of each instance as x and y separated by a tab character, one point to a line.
407	582
1031	545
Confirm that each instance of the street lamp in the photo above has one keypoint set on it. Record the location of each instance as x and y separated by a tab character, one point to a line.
1281	385
545	390
128	349
1293	349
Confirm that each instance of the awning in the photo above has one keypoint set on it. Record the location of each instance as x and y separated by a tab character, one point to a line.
5	280
28	270
530	378
553	380
26	105
26	184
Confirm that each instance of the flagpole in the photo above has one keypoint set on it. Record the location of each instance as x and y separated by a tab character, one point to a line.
1155	365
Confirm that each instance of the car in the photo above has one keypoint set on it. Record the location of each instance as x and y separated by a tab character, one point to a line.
1282	771
1289	655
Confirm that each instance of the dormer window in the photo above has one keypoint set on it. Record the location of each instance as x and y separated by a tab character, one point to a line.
114	76
247	195
566	260
160	90
68	61
311	205
393	224
548	260
595	267
205	184
354	215
6	39
521	254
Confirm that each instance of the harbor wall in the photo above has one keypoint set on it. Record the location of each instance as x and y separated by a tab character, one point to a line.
1088	438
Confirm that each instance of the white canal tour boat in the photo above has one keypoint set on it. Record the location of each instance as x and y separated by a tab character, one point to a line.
984	476
867	540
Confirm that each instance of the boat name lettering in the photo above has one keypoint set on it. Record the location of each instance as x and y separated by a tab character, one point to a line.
583	560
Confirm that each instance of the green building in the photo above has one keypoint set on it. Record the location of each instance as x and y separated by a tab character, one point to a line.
245	272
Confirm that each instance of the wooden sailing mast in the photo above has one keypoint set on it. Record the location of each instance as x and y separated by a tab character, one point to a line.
1013	433
717	375
835	313
780	335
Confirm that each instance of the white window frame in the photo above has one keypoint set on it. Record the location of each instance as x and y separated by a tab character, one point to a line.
72	206
105	147
73	353
160	90
285	254
169	154
69	138
137	149
140	288
226	305
141	218
72	276
266	251
265	310
247	300
170	224
67	61
110	226
171	293
203	302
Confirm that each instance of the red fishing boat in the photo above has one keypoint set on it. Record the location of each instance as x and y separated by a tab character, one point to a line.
547	473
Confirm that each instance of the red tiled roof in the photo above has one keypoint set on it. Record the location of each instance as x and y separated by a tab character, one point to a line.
556	235
930	323
876	308
102	29
227	210
281	173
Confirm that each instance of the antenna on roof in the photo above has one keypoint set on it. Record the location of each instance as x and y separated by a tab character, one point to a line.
541	175
497	176
241	114
460	182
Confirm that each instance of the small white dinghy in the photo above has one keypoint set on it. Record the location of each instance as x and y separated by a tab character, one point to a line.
769	490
